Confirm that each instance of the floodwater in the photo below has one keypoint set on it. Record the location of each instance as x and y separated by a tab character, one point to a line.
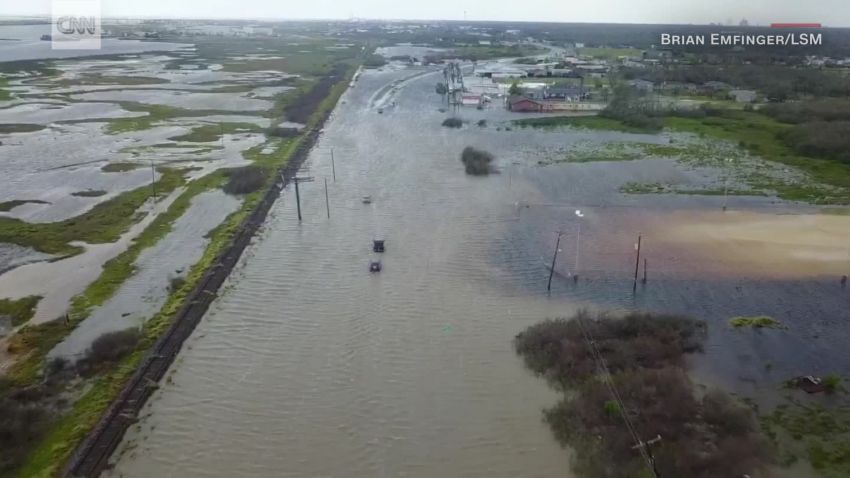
23	42
308	365
145	292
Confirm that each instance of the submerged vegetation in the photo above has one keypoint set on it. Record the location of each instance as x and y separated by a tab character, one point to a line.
643	357
756	322
476	162
9	205
452	122
19	311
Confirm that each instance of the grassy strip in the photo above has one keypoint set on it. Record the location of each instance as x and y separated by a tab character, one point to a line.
658	188
119	167
56	448
587	122
103	223
89	193
9	205
21	310
213	132
155	115
95	79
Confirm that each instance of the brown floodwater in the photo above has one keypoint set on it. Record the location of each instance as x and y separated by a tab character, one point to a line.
308	365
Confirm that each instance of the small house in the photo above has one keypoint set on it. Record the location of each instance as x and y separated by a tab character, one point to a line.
521	104
743	96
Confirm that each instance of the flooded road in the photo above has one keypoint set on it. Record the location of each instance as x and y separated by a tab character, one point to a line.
308	365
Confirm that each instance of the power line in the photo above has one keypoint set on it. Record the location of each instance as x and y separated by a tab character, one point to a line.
606	378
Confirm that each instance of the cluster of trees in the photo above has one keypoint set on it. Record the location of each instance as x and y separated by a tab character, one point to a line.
633	110
703	436
821	126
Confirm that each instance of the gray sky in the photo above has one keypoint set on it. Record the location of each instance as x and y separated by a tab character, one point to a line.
828	12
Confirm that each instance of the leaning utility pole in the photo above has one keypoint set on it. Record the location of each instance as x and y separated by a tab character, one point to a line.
296	180
554	258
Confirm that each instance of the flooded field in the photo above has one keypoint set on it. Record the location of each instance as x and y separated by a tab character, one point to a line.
144	293
317	368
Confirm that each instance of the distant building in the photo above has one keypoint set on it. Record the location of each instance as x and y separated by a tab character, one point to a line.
642	85
743	96
565	93
716	85
470	100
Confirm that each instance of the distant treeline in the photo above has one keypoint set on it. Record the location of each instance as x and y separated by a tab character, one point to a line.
775	82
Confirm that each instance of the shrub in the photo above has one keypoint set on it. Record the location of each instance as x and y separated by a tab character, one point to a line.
175	283
22	425
452	123
476	161
702	437
112	346
831	382
244	180
482	123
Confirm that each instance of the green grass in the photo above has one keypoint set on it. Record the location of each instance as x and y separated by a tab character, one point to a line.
756	322
9	205
826	181
815	432
21	310
759	135
213	132
103	223
5	95
89	193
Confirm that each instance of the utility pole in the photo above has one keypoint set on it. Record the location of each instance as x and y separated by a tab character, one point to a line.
637	262
327	203
296	180
644	270
579	215
554	258
153	179
333	165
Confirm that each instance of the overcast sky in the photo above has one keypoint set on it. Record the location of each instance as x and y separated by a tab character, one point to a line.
828	12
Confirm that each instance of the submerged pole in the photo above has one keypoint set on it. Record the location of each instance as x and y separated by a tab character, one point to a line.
637	262
333	165
327	203
554	258
297	198
153	179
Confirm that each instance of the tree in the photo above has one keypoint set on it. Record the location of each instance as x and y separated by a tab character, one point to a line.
515	90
